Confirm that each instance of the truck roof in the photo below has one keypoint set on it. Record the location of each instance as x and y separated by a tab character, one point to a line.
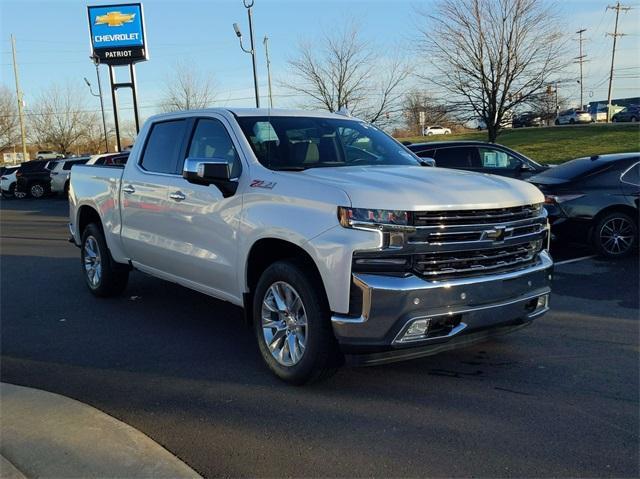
240	112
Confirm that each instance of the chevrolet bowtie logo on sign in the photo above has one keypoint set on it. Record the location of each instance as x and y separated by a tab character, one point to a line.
115	19
117	33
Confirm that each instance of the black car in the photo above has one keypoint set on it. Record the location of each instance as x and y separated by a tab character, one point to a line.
594	201
33	178
478	156
526	119
631	113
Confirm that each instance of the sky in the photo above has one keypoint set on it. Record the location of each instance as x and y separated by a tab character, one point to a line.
53	44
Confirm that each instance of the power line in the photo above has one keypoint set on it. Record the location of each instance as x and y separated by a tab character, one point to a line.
615	36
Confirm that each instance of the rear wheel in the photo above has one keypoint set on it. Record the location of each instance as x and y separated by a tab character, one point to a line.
572	121
615	235
36	190
103	275
633	119
557	122
292	324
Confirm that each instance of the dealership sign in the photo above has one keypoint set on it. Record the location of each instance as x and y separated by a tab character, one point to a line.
117	33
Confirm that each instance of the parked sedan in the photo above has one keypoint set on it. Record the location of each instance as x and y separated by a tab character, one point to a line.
631	113
436	130
478	156
572	116
594	201
60	174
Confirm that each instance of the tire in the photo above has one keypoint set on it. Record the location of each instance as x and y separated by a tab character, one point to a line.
614	120
104	277
37	190
615	235
301	336
572	121
633	119
557	122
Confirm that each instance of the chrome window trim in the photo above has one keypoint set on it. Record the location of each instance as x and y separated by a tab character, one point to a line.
627	171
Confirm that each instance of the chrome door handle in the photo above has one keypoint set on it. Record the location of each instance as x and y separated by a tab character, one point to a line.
128	189
177	196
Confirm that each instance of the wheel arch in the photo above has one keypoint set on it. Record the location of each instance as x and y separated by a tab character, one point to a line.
266	251
87	214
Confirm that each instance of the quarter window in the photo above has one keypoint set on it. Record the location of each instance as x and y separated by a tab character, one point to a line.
163	147
632	175
211	141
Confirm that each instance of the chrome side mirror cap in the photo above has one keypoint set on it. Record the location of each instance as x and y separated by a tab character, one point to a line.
208	171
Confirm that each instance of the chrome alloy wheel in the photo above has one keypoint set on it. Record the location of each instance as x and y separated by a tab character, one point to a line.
616	236
37	191
284	323
92	261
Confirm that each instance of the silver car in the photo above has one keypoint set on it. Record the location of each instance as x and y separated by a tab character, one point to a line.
573	116
61	171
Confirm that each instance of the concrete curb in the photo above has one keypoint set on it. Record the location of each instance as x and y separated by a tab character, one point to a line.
49	435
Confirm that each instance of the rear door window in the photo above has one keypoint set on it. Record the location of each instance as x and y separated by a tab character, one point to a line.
162	151
458	157
493	158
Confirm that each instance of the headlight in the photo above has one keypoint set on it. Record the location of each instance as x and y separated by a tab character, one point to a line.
363	217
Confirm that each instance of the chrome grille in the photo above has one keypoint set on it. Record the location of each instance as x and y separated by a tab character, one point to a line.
467	263
497	215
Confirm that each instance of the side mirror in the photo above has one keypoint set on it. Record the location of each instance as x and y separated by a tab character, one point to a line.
207	171
525	167
427	162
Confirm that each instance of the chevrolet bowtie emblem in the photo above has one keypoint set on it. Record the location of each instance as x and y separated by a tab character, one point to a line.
114	19
498	233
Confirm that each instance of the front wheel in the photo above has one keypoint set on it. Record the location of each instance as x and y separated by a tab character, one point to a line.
615	235
36	190
292	325
103	275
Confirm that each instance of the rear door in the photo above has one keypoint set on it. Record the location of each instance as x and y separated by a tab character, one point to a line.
147	236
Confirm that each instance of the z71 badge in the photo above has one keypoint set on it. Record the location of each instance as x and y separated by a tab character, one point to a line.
262	184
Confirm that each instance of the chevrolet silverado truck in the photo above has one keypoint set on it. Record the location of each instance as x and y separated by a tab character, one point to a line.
335	239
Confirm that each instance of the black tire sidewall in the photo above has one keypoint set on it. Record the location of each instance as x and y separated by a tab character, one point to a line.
320	351
596	235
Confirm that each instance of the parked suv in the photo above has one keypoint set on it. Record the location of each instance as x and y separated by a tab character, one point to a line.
8	181
60	174
33	179
573	116
478	156
48	155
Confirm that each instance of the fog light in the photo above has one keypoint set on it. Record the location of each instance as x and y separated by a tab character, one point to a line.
543	301
417	330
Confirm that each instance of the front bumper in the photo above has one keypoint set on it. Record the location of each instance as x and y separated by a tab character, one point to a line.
464	310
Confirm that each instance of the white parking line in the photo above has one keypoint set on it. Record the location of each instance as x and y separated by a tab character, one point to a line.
574	260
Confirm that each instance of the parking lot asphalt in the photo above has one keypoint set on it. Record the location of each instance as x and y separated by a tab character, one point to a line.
559	398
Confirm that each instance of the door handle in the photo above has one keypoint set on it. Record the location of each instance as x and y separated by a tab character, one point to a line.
128	189
177	196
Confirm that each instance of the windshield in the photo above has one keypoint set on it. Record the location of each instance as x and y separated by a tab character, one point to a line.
298	143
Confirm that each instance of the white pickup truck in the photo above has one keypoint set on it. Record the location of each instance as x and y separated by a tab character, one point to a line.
334	238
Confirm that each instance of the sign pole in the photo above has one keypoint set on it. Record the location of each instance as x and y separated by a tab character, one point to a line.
134	92
114	99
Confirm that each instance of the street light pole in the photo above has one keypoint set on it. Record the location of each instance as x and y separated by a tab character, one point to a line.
96	62
266	51
248	4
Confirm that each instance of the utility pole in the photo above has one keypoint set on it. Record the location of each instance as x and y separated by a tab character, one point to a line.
96	61
581	59
615	36
266	51
20	100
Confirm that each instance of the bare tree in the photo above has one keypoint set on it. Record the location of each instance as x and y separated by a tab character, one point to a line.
8	118
342	70
491	55
186	89
417	102
60	119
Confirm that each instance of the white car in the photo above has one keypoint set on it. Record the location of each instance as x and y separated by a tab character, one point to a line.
60	174
436	130
48	155
8	182
572	116
330	233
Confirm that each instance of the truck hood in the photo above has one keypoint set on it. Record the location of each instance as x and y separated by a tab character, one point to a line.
416	188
